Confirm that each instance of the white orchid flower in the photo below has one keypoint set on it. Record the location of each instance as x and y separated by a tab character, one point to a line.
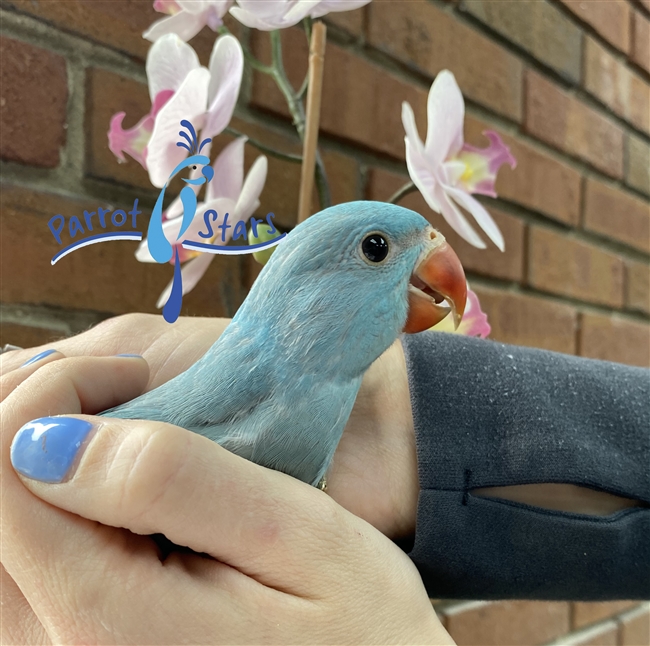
445	170
180	88
268	15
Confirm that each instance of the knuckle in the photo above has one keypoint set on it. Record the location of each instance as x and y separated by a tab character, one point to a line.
147	466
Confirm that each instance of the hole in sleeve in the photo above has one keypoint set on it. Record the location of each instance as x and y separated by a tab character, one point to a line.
561	497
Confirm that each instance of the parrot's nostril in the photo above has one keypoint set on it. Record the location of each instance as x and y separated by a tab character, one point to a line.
433	235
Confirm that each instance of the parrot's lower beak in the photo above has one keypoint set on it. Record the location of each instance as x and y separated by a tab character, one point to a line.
437	279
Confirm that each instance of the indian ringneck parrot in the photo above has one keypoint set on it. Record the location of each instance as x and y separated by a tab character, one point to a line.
279	384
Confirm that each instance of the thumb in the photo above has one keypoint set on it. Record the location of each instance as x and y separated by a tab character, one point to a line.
156	478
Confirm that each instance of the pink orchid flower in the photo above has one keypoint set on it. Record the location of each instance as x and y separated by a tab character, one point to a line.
278	14
180	88
187	17
445	170
228	192
474	322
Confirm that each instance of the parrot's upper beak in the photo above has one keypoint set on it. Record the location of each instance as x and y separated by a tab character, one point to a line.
438	277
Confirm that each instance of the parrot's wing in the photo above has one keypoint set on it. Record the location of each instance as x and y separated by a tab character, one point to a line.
215	393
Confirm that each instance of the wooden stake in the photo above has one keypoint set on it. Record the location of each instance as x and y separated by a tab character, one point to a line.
310	144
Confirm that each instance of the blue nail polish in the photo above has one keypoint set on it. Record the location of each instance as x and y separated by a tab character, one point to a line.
139	356
38	357
45	449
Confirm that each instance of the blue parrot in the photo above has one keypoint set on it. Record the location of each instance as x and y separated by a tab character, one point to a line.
279	384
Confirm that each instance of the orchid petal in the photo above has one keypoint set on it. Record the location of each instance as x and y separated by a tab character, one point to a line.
134	140
422	177
267	15
482	217
253	186
456	219
192	271
410	127
483	164
166	6
182	24
328	6
169	61
294	14
163	155
445	116
473	323
226	69
193	6
228	172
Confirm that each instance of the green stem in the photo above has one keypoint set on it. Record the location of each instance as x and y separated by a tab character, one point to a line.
264	148
409	187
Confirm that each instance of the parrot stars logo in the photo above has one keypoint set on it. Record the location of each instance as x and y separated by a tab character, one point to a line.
162	245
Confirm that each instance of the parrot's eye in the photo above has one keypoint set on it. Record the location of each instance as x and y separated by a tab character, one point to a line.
194	167
374	247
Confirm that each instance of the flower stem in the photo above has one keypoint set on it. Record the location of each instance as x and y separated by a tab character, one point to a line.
297	111
264	148
409	187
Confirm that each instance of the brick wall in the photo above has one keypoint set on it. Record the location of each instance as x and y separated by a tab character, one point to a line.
565	82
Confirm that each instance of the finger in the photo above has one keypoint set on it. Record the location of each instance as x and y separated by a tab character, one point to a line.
157	478
11	379
76	385
19	624
168	349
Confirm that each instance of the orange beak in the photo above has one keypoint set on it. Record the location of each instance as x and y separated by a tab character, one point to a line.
439	277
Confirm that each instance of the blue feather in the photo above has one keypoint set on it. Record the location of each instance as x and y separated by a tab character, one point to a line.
279	385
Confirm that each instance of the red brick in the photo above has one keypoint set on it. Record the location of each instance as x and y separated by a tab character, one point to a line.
430	40
116	23
103	277
641	41
637	286
561	265
585	613
637	163
27	336
106	94
350	21
362	102
617	214
605	634
506	623
539	182
610	18
528	320
635	627
562	121
33	101
618	87
490	261
538	27
615	339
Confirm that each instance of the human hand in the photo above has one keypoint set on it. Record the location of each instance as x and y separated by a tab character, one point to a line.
292	566
374	471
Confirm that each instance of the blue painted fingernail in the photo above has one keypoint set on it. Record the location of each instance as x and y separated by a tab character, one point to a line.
45	449
38	357
138	356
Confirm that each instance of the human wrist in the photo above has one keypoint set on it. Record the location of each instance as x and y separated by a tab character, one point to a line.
400	420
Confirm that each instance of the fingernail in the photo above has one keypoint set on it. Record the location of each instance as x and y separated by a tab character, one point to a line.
38	357
138	356
45	449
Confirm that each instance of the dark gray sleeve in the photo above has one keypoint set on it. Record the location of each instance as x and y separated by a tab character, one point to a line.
488	414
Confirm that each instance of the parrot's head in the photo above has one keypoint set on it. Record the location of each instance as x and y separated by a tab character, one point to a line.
351	278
